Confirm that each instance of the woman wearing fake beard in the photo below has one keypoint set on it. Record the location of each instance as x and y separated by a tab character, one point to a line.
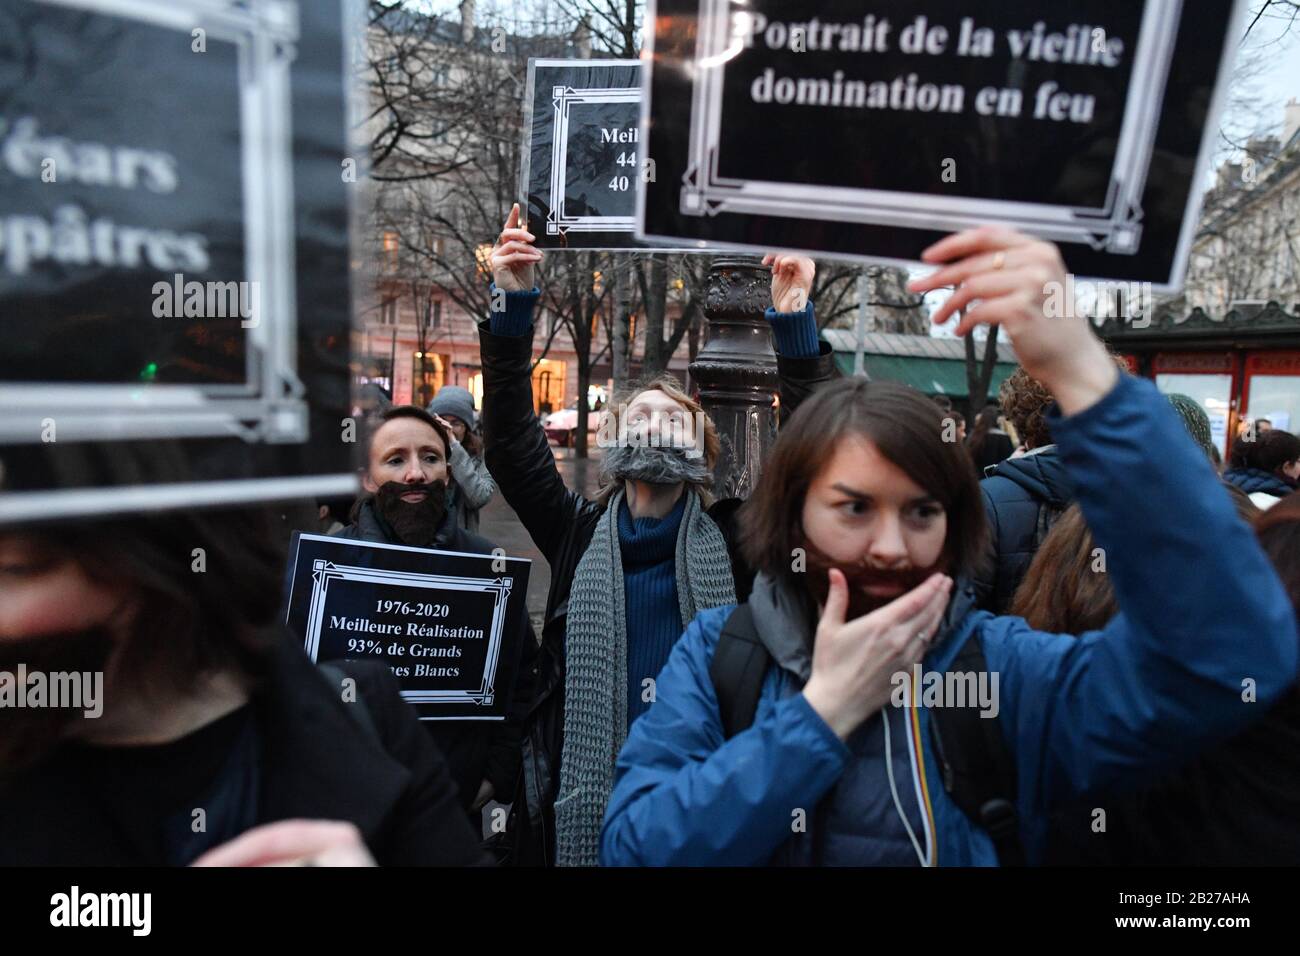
208	735
864	528
630	569
409	456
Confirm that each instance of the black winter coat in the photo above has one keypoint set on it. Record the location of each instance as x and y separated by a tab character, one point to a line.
1235	805
1022	498
561	524
475	750
317	762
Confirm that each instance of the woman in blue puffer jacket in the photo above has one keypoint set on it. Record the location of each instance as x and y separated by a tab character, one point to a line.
864	529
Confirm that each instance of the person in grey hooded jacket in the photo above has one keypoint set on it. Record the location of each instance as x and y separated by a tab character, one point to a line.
473	486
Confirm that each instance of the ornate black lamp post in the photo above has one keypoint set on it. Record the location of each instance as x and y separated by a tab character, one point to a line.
736	371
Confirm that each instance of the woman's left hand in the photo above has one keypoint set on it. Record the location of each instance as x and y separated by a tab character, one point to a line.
1011	277
792	281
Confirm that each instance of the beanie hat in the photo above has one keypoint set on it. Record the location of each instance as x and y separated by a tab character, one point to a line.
1195	419
454	400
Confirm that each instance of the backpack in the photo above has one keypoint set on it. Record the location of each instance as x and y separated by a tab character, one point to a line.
1048	515
975	765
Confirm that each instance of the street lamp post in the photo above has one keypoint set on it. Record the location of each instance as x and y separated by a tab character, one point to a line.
736	371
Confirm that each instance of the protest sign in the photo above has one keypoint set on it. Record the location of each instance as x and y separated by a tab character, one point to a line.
447	623
870	131
174	282
583	162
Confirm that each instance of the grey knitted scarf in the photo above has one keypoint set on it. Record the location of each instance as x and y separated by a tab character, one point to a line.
595	653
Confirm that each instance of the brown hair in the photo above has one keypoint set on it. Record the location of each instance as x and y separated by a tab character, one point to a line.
907	429
1062	593
189	620
669	385
1025	401
1278	529
376	422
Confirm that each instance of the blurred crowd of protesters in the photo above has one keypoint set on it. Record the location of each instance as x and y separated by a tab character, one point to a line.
716	681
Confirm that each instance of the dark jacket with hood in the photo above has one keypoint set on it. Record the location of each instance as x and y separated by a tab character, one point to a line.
302	755
1252	480
1023	497
475	750
561	523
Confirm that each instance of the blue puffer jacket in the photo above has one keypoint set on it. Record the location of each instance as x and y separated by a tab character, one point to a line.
1202	611
1251	480
1017	497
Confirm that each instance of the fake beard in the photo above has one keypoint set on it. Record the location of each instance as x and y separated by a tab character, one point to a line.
28	734
657	466
859	577
414	523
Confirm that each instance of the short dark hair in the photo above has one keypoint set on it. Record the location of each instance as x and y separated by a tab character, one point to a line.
376	422
1276	448
907	429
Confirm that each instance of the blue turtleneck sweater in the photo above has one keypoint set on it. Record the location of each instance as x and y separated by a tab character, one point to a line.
654	619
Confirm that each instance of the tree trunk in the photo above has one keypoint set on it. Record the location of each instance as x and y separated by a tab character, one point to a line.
621	346
979	374
655	295
584	382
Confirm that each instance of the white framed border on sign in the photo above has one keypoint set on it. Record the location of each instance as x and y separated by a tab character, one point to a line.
269	406
323	572
564	97
305	608
1115	226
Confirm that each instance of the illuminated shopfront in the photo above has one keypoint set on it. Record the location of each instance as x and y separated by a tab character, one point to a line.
1242	368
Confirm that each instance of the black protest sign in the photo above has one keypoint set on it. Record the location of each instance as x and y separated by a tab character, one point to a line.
869	131
174	250
583	161
447	623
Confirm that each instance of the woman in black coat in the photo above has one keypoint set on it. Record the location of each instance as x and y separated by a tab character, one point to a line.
208	720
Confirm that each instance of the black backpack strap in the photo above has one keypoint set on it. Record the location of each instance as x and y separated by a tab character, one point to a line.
978	771
739	664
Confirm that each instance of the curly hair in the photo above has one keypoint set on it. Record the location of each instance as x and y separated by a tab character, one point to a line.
1025	401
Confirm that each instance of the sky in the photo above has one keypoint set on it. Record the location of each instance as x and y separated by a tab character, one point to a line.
1282	80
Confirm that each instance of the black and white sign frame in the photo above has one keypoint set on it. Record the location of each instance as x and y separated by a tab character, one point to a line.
1114	227
269	406
500	586
260	436
325	571
610	233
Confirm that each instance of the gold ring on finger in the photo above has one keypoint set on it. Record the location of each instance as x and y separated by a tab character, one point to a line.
999	261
